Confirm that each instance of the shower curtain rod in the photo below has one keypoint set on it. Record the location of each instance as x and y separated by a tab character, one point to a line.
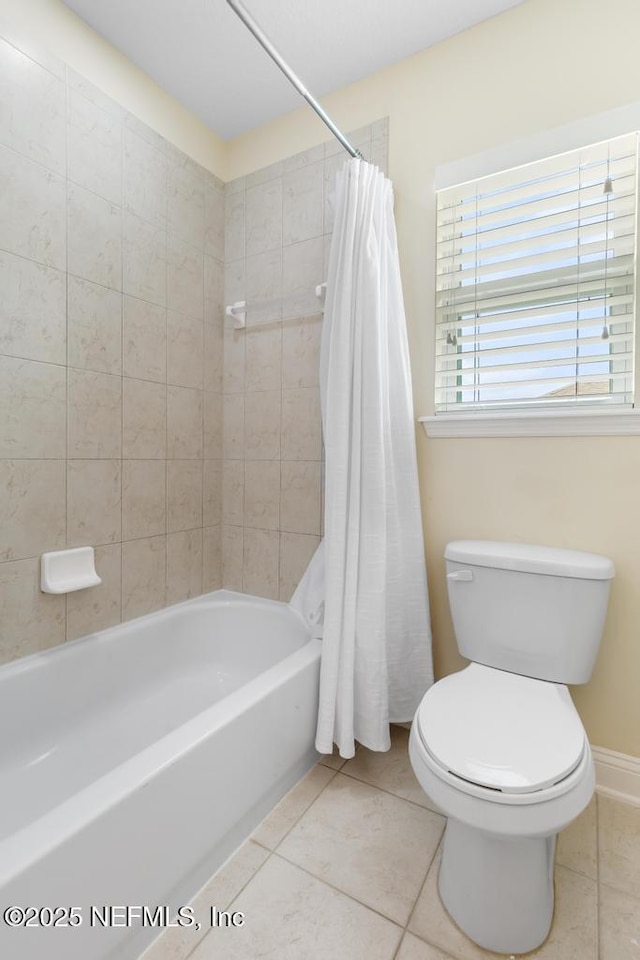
277	58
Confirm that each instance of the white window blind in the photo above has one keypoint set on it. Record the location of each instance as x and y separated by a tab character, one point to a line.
536	284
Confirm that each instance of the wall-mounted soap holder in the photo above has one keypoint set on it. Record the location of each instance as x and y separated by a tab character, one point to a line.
63	571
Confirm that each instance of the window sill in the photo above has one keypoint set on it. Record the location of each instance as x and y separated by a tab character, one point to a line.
601	423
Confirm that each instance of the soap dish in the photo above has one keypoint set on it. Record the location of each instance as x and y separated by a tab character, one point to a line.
63	571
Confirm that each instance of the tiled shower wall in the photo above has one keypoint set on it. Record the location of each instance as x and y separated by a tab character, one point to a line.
111	279
278	226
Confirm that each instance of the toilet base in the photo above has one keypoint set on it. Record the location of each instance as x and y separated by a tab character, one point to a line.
499	890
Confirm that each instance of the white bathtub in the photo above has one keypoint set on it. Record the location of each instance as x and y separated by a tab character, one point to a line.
134	761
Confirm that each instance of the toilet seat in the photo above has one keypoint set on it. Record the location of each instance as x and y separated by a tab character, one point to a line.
500	731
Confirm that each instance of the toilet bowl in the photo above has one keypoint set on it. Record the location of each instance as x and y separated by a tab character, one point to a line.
499	747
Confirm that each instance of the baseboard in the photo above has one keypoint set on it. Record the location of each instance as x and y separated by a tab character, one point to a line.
617	775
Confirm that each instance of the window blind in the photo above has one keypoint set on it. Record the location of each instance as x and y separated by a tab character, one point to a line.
535	291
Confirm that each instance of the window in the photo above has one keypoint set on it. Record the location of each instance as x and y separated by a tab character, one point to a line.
536	285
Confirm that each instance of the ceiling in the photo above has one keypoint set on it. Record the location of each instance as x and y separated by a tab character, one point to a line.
204	56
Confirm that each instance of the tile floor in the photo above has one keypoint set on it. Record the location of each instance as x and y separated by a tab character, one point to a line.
345	868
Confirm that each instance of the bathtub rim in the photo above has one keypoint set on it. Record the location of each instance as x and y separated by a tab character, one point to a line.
223	596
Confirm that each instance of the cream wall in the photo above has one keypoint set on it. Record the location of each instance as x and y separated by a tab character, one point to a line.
542	64
50	27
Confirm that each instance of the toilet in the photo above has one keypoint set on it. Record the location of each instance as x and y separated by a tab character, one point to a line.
499	747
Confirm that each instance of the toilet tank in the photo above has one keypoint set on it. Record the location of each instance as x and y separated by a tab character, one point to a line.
532	610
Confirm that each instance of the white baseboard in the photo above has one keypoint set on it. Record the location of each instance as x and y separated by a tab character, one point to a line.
617	775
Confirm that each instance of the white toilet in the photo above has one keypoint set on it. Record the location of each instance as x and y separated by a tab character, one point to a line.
499	746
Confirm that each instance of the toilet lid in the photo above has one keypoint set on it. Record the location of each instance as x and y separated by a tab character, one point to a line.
501	730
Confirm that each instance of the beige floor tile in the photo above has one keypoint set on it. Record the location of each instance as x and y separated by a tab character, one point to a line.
290	915
619	925
412	948
369	844
577	846
390	771
178	942
619	843
333	760
277	824
573	933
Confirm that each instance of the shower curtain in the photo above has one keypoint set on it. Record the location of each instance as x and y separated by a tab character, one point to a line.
376	651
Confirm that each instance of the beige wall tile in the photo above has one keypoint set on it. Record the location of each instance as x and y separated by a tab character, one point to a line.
232	557
144	340
233	492
32	211
619	845
184	494
184	565
212	425
185	350
98	607
214	226
262	494
302	271
213	289
260	563
264	287
301	424
94	327
185	201
212	496
144	420
212	564
262	425
94	502
94	415
92	93
94	232
296	551
234	359
32	507
32	409
300	496
184	423
144	572
144	495
263	357
301	352
213	355
234	244
145	178
145	260
29	619
233	417
32	310
185	278
95	148
263	217
302	204
33	116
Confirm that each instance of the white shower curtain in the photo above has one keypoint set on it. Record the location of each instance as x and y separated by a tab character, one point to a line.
376	652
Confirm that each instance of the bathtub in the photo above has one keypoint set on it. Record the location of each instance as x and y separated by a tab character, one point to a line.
134	761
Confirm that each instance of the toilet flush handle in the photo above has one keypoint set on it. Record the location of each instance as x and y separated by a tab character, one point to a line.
460	575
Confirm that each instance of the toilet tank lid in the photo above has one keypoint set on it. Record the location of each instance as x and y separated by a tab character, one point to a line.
530	558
